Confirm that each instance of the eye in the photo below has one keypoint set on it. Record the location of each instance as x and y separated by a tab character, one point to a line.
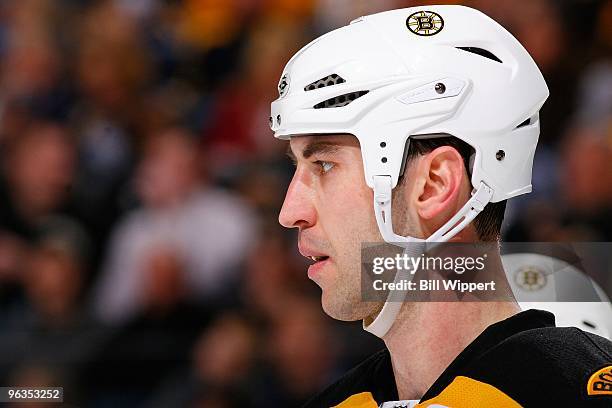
325	166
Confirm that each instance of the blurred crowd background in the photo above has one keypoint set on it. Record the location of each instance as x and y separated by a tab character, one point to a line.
141	262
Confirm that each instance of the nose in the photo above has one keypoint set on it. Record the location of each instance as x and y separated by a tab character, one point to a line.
298	210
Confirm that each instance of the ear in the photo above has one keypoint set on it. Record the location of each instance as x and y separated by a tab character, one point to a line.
442	172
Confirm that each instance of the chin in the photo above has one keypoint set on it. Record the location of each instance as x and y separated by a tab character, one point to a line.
345	308
337	313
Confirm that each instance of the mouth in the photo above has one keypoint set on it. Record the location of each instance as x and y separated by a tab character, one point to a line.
315	269
318	258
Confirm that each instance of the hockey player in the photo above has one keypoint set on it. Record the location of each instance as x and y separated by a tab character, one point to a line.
415	126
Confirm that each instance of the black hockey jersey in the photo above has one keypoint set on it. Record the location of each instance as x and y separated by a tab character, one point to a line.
521	361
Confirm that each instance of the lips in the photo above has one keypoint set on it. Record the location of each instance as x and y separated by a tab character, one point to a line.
316	269
318	258
311	254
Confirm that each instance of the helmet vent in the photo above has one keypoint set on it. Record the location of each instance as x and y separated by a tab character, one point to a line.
589	324
524	123
482	52
333	79
340	100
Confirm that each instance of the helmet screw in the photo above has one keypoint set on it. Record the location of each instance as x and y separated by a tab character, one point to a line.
383	144
500	155
440	88
384	160
271	122
278	120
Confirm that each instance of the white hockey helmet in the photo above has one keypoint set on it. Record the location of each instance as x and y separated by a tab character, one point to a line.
416	72
419	72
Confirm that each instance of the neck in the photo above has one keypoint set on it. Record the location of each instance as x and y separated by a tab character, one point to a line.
427	336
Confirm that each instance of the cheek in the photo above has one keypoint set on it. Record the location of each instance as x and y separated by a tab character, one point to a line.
348	218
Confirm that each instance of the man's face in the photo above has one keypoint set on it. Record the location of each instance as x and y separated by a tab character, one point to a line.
331	205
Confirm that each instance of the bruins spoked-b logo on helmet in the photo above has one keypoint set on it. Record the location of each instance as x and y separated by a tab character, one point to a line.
425	23
530	278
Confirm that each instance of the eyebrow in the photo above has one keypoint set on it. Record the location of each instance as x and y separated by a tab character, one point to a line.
320	147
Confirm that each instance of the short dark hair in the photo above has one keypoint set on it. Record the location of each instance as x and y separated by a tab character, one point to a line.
488	223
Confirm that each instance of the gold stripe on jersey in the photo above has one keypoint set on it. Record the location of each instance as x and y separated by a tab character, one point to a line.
466	392
361	400
463	392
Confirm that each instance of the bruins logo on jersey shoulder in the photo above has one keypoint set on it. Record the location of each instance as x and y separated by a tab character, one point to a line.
600	382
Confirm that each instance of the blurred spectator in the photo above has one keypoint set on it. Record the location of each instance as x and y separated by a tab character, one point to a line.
239	128
38	170
301	355
33	69
595	94
223	360
54	274
112	70
39	167
209	230
604	27
142	352
225	353
52	327
272	277
263	195
12	252
587	186
209	23
112	64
